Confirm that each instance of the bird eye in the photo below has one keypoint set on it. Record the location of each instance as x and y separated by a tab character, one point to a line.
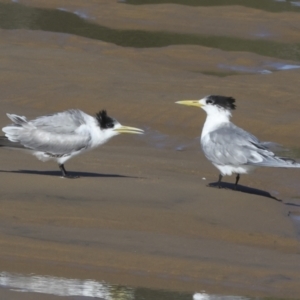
110	125
209	102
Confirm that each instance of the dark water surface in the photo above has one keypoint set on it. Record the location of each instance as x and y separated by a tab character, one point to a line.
267	5
17	16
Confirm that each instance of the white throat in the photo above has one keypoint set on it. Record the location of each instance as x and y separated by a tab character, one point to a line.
214	120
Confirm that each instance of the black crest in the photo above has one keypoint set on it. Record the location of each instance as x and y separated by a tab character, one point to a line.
222	101
104	120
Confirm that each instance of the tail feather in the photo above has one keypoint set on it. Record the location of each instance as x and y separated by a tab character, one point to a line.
13	131
18	120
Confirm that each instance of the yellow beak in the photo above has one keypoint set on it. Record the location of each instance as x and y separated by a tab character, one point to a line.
190	103
127	129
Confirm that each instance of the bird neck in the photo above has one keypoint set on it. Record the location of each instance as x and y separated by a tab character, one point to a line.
215	120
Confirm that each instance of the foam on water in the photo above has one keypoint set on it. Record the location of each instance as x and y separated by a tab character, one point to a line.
85	289
62	286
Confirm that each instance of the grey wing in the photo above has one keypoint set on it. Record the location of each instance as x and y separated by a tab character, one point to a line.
231	145
57	134
65	122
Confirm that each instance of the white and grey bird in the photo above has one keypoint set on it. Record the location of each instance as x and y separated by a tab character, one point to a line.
229	148
62	135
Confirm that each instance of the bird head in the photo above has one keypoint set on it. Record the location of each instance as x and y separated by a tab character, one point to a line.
112	127
212	104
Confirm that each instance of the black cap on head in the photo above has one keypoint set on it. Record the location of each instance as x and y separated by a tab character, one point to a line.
104	120
221	101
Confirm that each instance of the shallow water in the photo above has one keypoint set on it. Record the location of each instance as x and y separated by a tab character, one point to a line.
89	288
17	16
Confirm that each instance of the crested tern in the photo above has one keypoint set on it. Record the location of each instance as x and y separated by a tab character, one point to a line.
229	148
62	135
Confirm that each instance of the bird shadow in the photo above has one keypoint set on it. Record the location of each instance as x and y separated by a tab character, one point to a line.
75	174
292	204
243	189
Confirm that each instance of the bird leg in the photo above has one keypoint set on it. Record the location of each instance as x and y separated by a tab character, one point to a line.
64	172
220	179
218	185
236	181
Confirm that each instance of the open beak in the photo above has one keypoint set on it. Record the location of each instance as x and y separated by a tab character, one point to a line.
190	103
127	129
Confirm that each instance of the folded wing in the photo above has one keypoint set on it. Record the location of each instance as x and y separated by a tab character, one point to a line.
231	145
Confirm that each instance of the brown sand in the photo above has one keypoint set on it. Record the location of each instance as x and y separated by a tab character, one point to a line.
142	215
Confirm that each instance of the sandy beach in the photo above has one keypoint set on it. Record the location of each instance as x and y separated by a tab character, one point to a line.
141	213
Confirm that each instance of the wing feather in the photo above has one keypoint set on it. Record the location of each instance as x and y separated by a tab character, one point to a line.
65	122
231	145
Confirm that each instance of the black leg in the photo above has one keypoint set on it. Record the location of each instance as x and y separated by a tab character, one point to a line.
62	168
236	181
218	185
220	179
64	172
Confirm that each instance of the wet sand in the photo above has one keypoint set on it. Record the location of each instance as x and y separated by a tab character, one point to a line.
141	214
